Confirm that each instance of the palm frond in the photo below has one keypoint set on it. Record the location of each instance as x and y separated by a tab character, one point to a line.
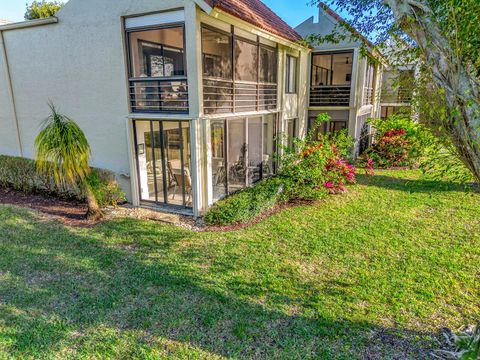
62	149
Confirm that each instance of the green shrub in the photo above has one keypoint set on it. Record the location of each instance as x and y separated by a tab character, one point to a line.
399	141
246	204
20	174
105	188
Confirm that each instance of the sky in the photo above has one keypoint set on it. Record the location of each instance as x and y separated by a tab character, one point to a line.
293	12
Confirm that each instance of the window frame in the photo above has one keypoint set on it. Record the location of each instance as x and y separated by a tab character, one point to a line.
261	99
330	71
227	155
288	88
152	28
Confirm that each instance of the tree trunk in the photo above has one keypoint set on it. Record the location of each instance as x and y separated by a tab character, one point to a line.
460	83
94	212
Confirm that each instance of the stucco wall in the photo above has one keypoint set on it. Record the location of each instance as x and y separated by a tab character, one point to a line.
79	64
325	25
8	142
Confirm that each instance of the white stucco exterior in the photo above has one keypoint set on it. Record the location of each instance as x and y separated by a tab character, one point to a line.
79	62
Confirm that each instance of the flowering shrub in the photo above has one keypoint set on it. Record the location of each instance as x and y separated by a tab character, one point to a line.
392	149
400	141
318	167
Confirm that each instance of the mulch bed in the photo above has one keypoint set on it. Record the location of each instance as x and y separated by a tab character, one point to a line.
70	213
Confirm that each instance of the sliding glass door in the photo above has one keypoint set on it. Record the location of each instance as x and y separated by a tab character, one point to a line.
163	161
242	152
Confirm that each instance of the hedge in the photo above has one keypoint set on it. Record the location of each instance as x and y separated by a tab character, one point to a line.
246	204
20	174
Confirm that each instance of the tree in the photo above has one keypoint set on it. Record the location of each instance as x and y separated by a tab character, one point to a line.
63	151
444	35
42	9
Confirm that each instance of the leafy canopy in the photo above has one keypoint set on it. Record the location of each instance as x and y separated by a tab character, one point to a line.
42	9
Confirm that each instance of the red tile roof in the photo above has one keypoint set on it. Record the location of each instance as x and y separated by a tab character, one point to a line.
257	13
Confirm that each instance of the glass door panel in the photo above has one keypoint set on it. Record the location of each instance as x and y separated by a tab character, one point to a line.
255	153
268	145
219	176
163	158
237	152
145	160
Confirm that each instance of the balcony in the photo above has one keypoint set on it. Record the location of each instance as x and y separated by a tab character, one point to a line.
155	95
224	96
336	95
400	96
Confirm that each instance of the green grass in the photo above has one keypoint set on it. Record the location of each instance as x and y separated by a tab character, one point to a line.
375	273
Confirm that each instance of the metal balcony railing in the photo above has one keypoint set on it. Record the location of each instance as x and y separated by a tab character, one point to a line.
401	96
225	96
336	95
159	95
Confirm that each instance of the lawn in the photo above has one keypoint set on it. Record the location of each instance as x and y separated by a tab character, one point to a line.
375	273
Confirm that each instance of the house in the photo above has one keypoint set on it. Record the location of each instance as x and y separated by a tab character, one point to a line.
182	99
343	83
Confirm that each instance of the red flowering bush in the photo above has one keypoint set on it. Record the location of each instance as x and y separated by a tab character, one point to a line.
392	149
317	167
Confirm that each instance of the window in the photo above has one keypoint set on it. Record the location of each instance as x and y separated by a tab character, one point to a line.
369	85
157	72
157	53
217	54
291	78
246	57
268	65
291	131
239	75
331	79
242	152
332	69
327	127
163	162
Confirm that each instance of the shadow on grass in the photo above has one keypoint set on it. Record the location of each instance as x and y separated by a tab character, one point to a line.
411	185
62	289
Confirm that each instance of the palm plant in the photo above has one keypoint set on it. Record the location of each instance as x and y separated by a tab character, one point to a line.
62	150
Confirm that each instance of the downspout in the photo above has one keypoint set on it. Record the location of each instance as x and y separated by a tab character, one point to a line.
11	93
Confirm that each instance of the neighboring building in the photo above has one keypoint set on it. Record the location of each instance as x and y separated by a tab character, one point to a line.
182	99
343	83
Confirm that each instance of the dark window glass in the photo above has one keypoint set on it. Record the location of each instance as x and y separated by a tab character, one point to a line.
217	54
268	65
157	53
291	78
291	131
332	69
246	58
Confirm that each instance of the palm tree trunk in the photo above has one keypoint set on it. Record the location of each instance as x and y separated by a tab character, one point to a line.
94	212
460	84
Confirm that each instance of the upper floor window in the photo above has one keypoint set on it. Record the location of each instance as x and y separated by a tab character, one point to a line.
217	50
157	72
369	85
239	74
157	53
332	69
291	78
331	79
